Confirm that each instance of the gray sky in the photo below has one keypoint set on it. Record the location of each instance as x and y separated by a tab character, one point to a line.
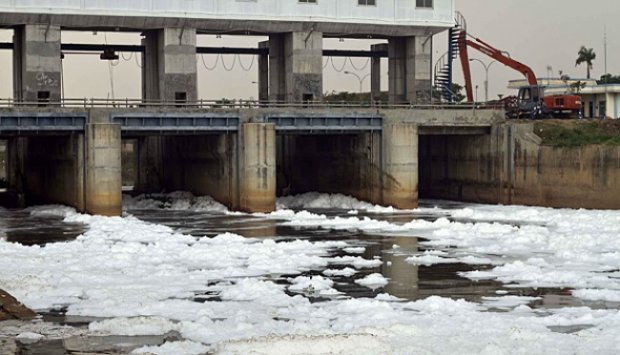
539	33
542	33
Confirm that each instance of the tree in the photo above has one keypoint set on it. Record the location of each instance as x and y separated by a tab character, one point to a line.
457	93
609	79
585	55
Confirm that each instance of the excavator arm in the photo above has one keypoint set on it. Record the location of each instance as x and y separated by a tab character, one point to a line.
492	52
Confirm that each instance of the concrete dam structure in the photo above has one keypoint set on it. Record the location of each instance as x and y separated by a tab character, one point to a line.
65	151
244	158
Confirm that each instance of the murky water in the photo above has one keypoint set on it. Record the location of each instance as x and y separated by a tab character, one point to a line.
20	226
406	281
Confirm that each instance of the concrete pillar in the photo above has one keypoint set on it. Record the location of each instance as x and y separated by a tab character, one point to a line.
410	70
375	71
257	184
296	66
400	165
37	67
103	178
263	73
277	68
169	71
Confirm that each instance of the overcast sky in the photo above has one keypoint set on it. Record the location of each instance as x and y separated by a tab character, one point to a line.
540	33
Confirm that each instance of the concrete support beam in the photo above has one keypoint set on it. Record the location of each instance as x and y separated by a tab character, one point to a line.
263	73
375	71
296	66
257	184
103	181
37	67
400	165
169	71
409	70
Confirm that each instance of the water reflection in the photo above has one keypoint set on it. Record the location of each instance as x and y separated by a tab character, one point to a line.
20	226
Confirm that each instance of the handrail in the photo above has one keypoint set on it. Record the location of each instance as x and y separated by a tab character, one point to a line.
228	104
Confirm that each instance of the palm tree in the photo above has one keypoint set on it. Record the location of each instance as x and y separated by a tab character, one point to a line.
585	55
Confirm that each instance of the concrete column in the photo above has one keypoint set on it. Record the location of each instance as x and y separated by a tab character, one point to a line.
169	70
410	70
263	73
277	68
257	185
423	69
37	67
296	66
400	165
103	178
375	71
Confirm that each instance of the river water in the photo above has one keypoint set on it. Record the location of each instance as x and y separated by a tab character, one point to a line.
406	281
455	278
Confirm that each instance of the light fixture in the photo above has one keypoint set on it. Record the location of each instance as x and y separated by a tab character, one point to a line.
108	54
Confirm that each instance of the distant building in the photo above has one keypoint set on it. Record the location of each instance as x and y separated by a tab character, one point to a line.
599	101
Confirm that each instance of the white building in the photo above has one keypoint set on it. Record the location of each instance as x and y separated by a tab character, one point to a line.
410	15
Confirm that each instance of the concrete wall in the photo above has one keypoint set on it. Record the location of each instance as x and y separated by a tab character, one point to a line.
48	169
203	165
348	164
511	166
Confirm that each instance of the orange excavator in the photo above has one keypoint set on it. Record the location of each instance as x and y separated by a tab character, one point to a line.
531	101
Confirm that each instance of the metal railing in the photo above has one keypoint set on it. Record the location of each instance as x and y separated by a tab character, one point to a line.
231	104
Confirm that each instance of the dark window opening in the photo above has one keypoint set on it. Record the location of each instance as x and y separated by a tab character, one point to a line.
424	3
180	97
43	97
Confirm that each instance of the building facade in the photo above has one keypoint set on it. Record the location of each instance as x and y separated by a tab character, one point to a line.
292	72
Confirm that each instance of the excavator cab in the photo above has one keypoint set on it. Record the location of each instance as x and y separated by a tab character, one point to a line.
531	102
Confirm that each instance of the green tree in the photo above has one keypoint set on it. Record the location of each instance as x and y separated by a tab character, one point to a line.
585	55
457	93
609	79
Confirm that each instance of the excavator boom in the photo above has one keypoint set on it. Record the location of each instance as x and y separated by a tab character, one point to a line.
492	52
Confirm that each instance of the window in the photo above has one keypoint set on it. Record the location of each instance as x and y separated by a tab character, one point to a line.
424	3
307	1
366	2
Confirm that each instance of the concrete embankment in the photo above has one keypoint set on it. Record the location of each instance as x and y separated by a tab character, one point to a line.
513	165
